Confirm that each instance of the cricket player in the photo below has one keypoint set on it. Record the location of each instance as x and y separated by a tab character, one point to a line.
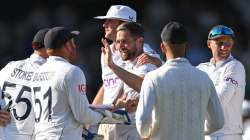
112	85
175	98
116	15
59	87
129	40
228	75
15	87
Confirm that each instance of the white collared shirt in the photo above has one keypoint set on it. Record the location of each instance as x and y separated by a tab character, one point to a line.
61	105
174	101
228	77
14	80
111	82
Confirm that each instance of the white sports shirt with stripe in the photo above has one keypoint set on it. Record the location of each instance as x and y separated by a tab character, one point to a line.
61	105
14	81
229	78
174	101
112	83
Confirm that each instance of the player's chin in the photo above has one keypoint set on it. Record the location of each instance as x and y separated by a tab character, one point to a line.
225	53
124	56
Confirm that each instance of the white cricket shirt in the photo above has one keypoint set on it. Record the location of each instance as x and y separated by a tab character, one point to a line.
174	101
228	77
14	81
61	106
111	83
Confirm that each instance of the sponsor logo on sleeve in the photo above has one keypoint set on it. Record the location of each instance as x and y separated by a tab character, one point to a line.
231	80
82	88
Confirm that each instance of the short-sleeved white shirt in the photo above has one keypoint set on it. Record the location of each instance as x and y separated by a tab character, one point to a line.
61	106
14	80
111	82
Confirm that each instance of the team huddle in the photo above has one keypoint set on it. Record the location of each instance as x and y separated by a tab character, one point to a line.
44	97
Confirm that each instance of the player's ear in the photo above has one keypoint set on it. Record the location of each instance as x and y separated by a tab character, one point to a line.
163	49
141	40
208	43
68	46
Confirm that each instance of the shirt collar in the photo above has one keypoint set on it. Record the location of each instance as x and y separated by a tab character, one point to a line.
56	58
36	57
178	60
221	62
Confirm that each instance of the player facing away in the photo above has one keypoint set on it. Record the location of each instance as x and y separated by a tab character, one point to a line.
16	91
59	89
176	98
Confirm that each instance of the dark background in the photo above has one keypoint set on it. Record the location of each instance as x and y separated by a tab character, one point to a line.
19	21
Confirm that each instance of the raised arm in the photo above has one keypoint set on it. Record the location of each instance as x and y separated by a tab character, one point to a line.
130	79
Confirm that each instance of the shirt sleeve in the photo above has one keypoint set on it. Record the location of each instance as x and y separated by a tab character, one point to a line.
233	80
76	86
215	117
144	69
145	108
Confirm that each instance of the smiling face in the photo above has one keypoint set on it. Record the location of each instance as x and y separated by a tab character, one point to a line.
110	26
221	47
127	45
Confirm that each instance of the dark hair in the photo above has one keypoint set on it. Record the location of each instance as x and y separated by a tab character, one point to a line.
57	36
134	28
38	40
174	33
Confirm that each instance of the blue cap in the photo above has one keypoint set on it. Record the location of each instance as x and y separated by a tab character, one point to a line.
220	30
57	36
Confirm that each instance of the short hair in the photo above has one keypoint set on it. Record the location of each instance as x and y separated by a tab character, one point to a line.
174	33
134	28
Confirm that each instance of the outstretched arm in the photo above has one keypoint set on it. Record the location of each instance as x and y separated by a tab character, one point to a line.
130	79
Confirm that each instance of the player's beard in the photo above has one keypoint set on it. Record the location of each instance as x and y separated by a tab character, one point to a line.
127	55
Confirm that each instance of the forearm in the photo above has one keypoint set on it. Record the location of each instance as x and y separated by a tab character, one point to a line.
130	79
99	97
4	118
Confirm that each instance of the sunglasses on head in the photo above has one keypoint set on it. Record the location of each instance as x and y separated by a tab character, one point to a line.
220	30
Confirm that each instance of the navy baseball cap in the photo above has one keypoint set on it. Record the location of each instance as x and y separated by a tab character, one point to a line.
220	30
57	36
38	40
174	33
